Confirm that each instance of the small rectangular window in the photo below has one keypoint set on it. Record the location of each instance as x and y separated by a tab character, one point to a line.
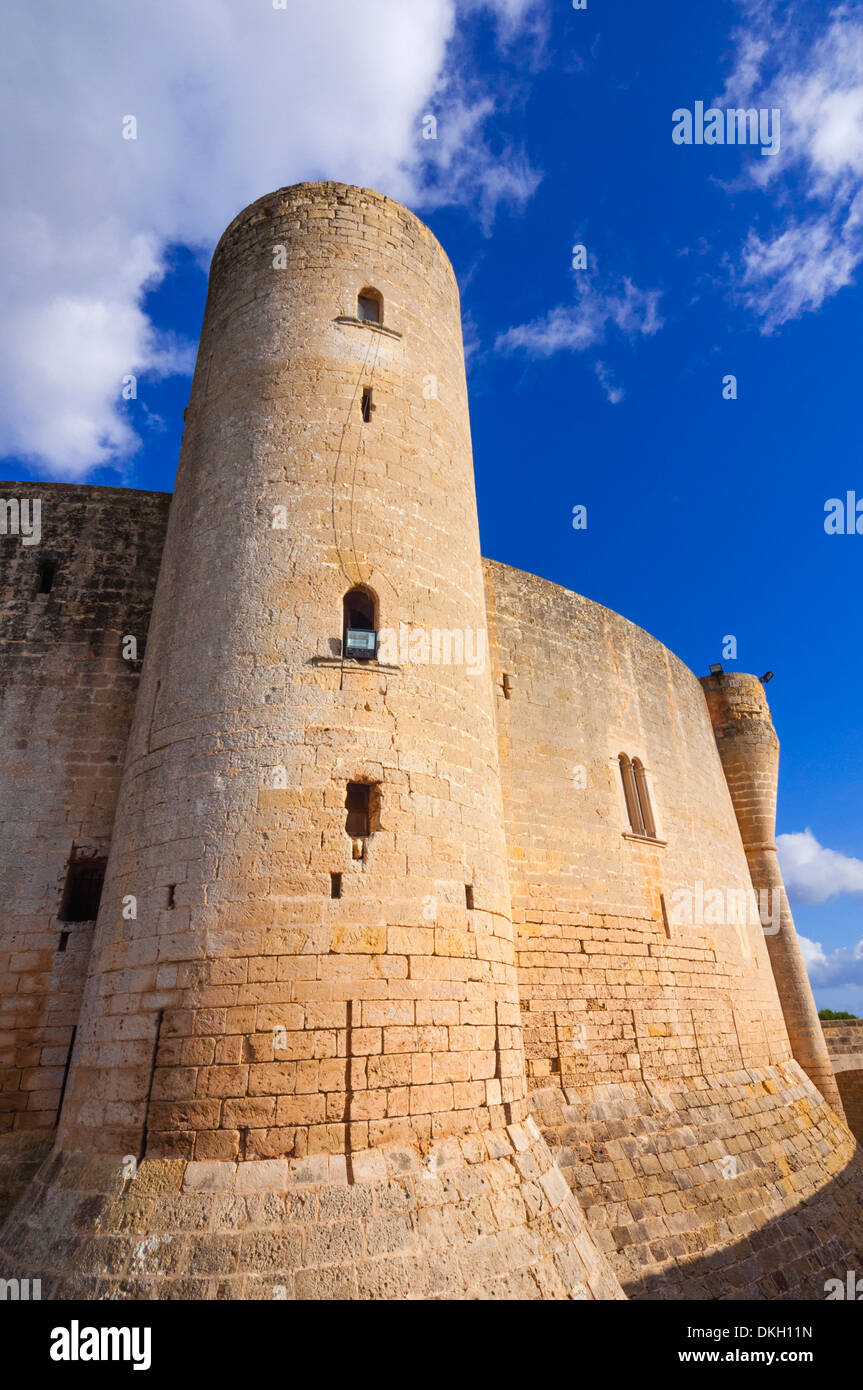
335	885
358	804
83	890
367	406
369	307
468	896
47	575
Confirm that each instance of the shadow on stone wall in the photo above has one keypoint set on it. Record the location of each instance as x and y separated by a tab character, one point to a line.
744	1186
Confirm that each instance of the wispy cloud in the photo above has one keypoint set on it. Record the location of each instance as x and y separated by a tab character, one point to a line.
579	326
813	873
842	967
817	82
614	393
232	100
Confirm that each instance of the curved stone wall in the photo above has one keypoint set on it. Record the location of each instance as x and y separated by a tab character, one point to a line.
661	1070
631	965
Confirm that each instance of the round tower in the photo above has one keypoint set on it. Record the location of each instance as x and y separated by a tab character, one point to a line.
321	953
749	752
303	972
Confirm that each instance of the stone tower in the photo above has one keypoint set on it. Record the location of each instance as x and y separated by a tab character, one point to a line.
419	968
749	751
303	976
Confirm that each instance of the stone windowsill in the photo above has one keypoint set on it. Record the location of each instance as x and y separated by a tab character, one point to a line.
644	839
350	663
367	323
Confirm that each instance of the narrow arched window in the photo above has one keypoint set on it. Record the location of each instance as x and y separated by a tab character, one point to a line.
359	634
370	306
636	794
633	809
643	793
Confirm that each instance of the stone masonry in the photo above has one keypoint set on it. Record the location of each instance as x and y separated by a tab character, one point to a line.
474	1044
844	1038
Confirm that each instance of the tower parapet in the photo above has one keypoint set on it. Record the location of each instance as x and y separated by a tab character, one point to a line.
749	751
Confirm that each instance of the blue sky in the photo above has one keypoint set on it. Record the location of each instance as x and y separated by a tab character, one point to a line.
600	386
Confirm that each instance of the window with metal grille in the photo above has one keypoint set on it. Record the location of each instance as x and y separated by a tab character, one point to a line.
359	618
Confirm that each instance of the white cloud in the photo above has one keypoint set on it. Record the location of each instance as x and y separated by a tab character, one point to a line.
614	393
577	327
812	873
232	100
842	967
818	86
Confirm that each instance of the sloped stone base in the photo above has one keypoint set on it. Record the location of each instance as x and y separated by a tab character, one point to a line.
484	1216
745	1185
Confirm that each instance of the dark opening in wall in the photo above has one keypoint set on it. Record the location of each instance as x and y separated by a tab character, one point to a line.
358	801
367	406
335	885
363	807
468	896
83	890
47	575
370	306
172	888
63	942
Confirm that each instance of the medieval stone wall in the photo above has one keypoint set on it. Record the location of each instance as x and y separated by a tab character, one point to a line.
306	1051
611	984
66	701
845	1048
661	1070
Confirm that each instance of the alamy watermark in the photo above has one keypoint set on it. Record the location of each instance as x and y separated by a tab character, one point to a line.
419	646
727	907
21	517
851	1288
20	1290
735	126
844	517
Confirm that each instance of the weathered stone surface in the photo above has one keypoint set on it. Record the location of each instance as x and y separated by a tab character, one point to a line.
332	1240
844	1038
324	1043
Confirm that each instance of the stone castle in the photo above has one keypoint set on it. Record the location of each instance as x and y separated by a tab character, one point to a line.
387	930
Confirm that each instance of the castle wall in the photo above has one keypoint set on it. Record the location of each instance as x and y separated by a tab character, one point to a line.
844	1039
611	985
662	1074
66	701
502	1043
